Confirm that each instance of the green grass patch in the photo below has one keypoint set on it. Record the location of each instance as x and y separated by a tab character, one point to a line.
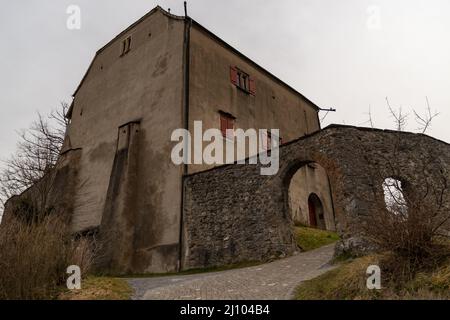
239	265
309	238
99	288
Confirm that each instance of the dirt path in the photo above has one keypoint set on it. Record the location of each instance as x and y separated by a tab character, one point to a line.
272	281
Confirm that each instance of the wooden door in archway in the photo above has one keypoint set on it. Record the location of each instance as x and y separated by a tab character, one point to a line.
312	213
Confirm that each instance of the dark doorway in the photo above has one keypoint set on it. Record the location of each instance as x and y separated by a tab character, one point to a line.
312	213
316	214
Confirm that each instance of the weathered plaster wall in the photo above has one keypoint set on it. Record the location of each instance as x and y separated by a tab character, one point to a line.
144	85
232	213
274	106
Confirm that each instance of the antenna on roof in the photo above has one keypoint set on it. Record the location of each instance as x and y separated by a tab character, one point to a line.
328	110
185	9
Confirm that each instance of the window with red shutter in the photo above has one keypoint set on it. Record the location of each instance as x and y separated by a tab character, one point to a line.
252	86
226	122
223	125
234	75
242	80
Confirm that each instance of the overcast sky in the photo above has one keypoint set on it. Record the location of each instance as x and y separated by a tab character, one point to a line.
346	54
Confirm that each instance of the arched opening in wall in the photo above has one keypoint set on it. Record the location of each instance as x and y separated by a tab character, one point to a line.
310	202
316	213
394	197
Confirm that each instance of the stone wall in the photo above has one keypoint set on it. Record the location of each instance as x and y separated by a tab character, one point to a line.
233	214
53	193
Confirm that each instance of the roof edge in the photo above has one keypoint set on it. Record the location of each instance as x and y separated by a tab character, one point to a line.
208	32
148	14
256	65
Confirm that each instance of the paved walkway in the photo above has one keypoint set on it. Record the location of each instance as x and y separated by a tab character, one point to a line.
272	281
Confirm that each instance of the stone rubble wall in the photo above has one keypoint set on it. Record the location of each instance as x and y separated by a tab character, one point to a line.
234	214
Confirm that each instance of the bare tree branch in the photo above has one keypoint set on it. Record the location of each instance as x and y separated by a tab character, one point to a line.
36	155
370	120
400	118
426	120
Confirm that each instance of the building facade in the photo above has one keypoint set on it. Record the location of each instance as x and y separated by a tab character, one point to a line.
164	73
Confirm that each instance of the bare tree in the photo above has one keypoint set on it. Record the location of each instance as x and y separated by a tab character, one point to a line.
37	153
425	120
400	118
370	120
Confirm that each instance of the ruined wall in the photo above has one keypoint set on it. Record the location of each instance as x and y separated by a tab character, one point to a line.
232	213
53	193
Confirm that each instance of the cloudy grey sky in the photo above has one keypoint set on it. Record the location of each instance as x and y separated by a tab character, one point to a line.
346	54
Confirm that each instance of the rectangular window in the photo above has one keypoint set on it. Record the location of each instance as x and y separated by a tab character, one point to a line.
226	123
242	80
126	46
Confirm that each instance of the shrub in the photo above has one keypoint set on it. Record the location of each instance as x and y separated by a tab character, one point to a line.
34	257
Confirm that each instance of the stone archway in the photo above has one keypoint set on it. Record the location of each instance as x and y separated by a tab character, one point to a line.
309	189
232	213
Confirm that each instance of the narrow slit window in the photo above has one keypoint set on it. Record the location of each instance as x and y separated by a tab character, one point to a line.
126	45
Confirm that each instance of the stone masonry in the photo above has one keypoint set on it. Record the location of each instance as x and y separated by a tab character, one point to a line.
233	214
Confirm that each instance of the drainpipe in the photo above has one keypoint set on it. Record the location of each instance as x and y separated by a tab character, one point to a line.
186	63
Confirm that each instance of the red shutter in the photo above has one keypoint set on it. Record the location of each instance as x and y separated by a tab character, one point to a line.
234	75
252	86
230	126
223	125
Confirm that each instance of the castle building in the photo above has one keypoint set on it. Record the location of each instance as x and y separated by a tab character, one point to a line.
161	74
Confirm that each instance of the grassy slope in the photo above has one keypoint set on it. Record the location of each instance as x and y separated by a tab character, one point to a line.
100	288
348	282
309	238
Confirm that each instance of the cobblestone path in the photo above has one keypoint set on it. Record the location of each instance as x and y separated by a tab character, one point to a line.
272	281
